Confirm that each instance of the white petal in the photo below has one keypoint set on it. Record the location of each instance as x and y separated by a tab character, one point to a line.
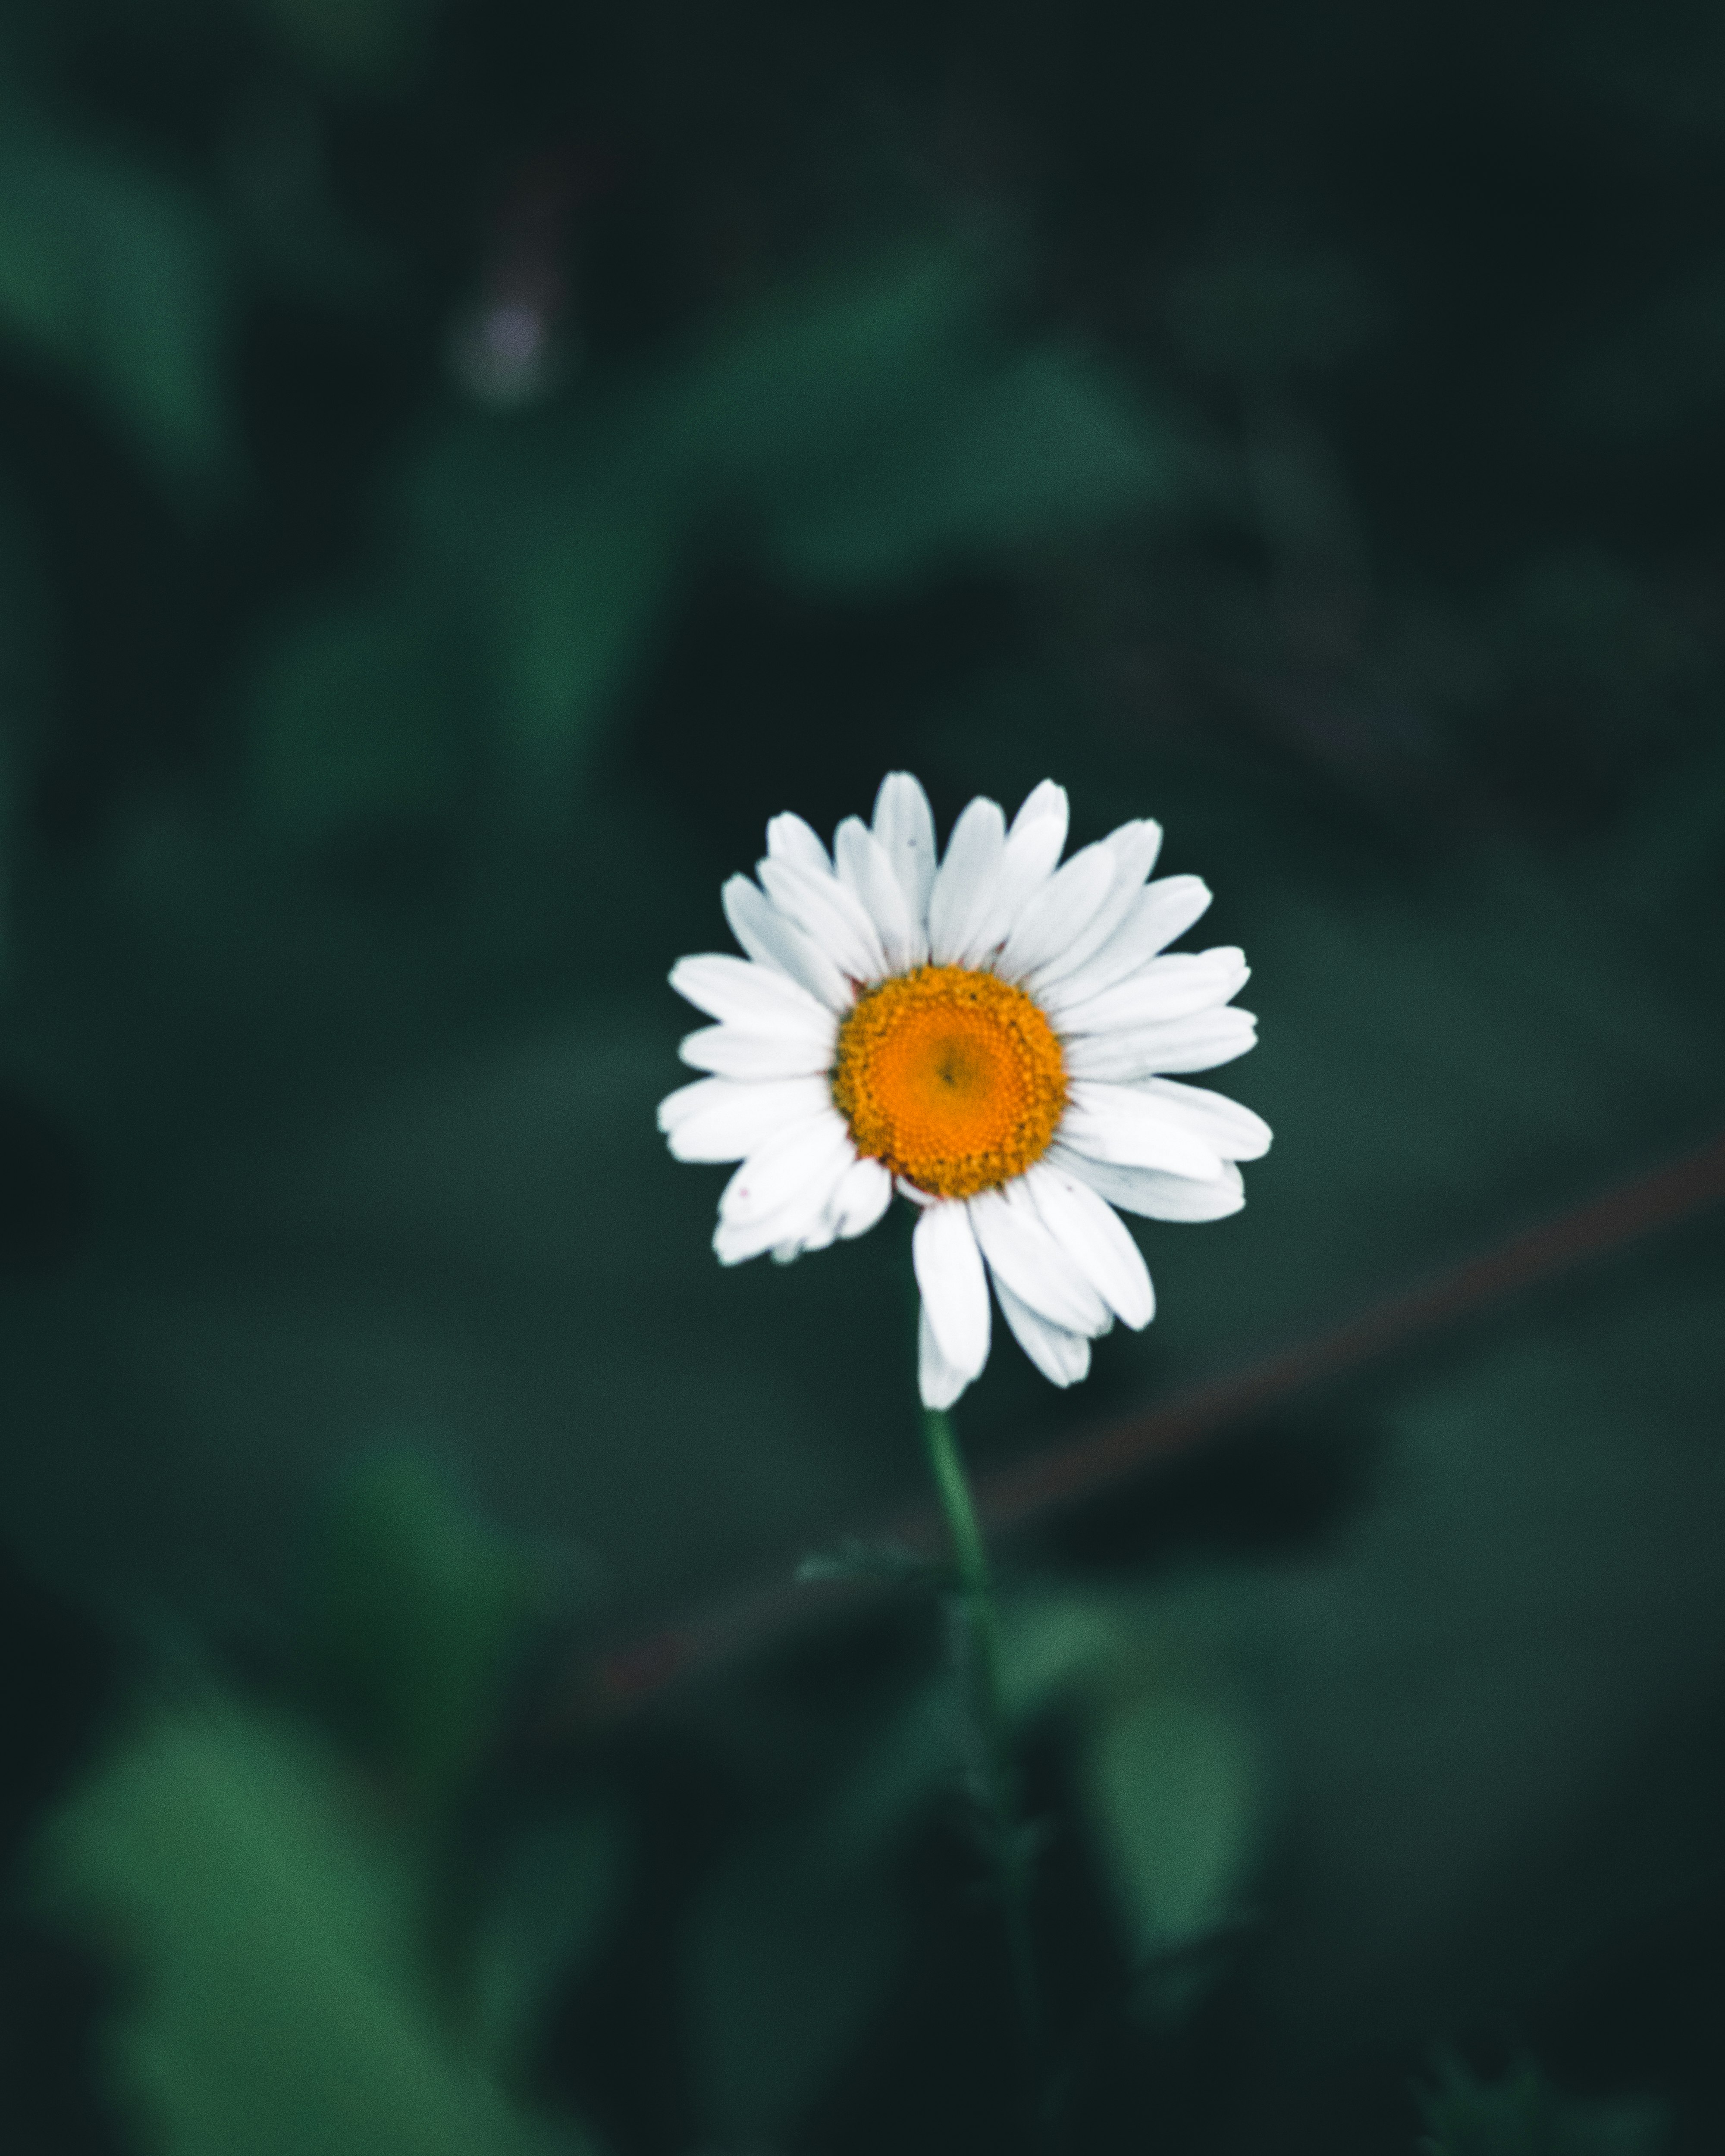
1022	1252
819	1233
770	939
1233	1130
737	1051
1045	804
1120	1124
737	989
1134	848
735	1242
789	839
718	1119
940	1381
867	872
1093	1234
1149	1192
797	1169
904	824
1158	913
1062	1357
1033	846
831	916
862	1197
1167	987
967	880
955	1289
804	1217
1198	1043
804	1224
1060	910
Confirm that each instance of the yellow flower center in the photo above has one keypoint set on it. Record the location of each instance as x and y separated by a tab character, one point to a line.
955	1079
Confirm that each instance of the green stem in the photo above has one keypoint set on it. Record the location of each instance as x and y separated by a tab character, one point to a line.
997	1780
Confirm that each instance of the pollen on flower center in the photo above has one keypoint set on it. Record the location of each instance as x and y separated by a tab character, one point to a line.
954	1078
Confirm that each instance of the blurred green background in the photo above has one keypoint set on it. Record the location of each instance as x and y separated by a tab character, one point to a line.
462	469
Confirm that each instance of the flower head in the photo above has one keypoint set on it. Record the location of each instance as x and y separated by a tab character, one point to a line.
993	1035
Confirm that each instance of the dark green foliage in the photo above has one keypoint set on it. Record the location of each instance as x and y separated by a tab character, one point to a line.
303	1967
1523	2115
462	469
269	1941
114	274
418	1619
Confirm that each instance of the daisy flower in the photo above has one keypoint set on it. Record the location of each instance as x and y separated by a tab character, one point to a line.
995	1036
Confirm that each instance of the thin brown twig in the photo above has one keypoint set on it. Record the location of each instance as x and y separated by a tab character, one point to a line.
1087	1466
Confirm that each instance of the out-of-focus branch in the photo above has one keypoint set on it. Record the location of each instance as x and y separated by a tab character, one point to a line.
1088	1466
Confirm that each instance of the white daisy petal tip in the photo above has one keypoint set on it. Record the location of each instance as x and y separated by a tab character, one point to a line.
997	1038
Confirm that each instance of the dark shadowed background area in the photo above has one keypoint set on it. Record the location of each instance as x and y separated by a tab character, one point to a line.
462	469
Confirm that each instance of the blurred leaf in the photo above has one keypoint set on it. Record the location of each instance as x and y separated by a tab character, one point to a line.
1523	2115
116	274
807	378
1055	1646
790	1950
276	2006
568	537
1039	448
360	713
546	1908
857	1559
862	430
576	615
1169	1771
1173	1787
366	42
419	1609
